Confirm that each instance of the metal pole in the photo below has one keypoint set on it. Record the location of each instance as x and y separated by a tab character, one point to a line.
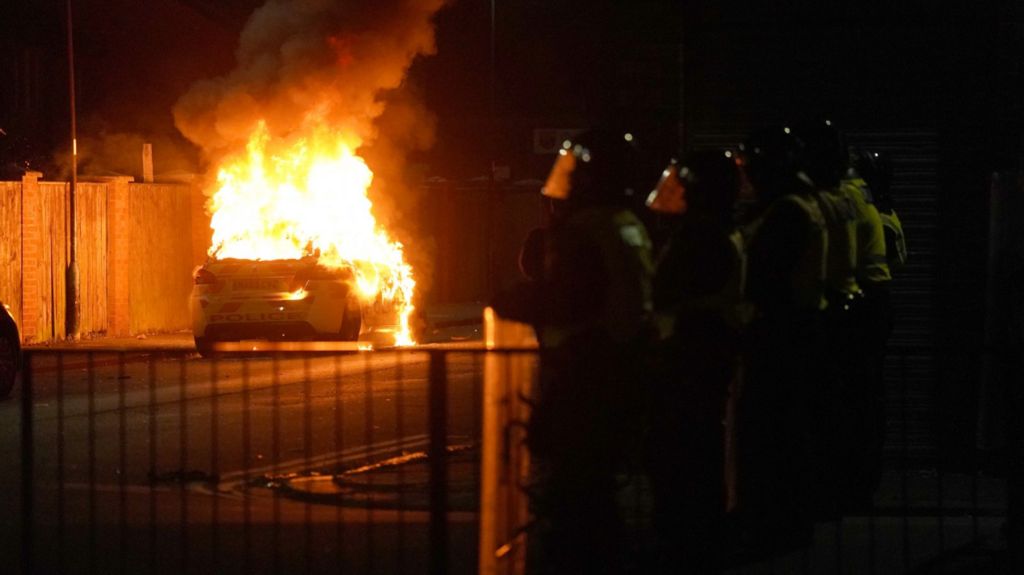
72	306
494	53
491	281
684	124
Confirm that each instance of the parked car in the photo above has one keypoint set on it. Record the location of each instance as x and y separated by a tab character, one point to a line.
288	300
10	351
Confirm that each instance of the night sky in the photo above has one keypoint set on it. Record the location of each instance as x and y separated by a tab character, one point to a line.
940	83
565	64
552	66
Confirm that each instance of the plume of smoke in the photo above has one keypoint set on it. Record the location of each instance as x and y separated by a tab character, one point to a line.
339	63
405	126
309	61
104	151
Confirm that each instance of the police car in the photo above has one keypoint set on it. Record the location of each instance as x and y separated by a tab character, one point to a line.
287	300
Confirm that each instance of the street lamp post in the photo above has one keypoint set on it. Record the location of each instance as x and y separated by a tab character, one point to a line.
72	305
492	283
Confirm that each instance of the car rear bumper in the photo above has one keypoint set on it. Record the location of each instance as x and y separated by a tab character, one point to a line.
275	330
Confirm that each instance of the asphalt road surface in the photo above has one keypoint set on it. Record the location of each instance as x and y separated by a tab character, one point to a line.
170	463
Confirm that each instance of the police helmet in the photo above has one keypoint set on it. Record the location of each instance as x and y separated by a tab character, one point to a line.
707	180
825	156
876	170
668	195
600	166
771	159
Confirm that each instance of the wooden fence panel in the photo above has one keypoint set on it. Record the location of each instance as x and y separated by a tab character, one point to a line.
53	259
10	247
91	236
160	270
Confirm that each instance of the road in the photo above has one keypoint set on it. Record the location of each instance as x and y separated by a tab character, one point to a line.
169	463
138	457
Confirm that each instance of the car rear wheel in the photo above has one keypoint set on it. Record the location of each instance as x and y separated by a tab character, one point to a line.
204	346
352	322
9	361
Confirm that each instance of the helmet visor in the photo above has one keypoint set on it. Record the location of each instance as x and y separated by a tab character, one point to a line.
559	183
669	195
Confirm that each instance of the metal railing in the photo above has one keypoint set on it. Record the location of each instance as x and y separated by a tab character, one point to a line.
937	508
934	507
395	461
155	460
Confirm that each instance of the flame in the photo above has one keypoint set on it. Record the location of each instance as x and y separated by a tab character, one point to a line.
308	197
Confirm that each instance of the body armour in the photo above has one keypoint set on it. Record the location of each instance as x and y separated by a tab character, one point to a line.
786	258
598	273
841	214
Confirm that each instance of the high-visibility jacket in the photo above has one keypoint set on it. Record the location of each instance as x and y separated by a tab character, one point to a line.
872	264
895	242
699	274
841	213
598	275
786	257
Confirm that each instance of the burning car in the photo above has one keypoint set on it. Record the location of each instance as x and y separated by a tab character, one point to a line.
296	252
237	299
283	136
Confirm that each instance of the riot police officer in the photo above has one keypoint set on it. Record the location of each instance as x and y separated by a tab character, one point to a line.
824	160
590	308
849	220
883	248
785	280
875	169
696	296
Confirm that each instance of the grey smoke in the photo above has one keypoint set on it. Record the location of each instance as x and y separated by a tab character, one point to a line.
297	58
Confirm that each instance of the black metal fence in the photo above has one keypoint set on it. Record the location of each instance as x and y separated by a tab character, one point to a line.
158	461
940	507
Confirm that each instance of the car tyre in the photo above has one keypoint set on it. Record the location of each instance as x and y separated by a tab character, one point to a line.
352	322
204	346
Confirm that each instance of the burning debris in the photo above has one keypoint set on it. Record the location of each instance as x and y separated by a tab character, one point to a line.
284	131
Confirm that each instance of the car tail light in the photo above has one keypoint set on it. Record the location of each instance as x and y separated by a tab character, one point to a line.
203	276
299	282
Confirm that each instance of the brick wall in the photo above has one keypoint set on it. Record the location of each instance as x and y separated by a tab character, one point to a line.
31	252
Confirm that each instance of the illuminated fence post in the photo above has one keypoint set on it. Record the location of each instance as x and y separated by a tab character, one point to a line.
504	510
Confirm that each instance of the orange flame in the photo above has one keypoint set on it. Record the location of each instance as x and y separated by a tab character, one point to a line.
308	197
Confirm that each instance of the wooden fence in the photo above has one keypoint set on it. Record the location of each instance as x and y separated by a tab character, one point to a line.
10	246
160	264
137	244
135	255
